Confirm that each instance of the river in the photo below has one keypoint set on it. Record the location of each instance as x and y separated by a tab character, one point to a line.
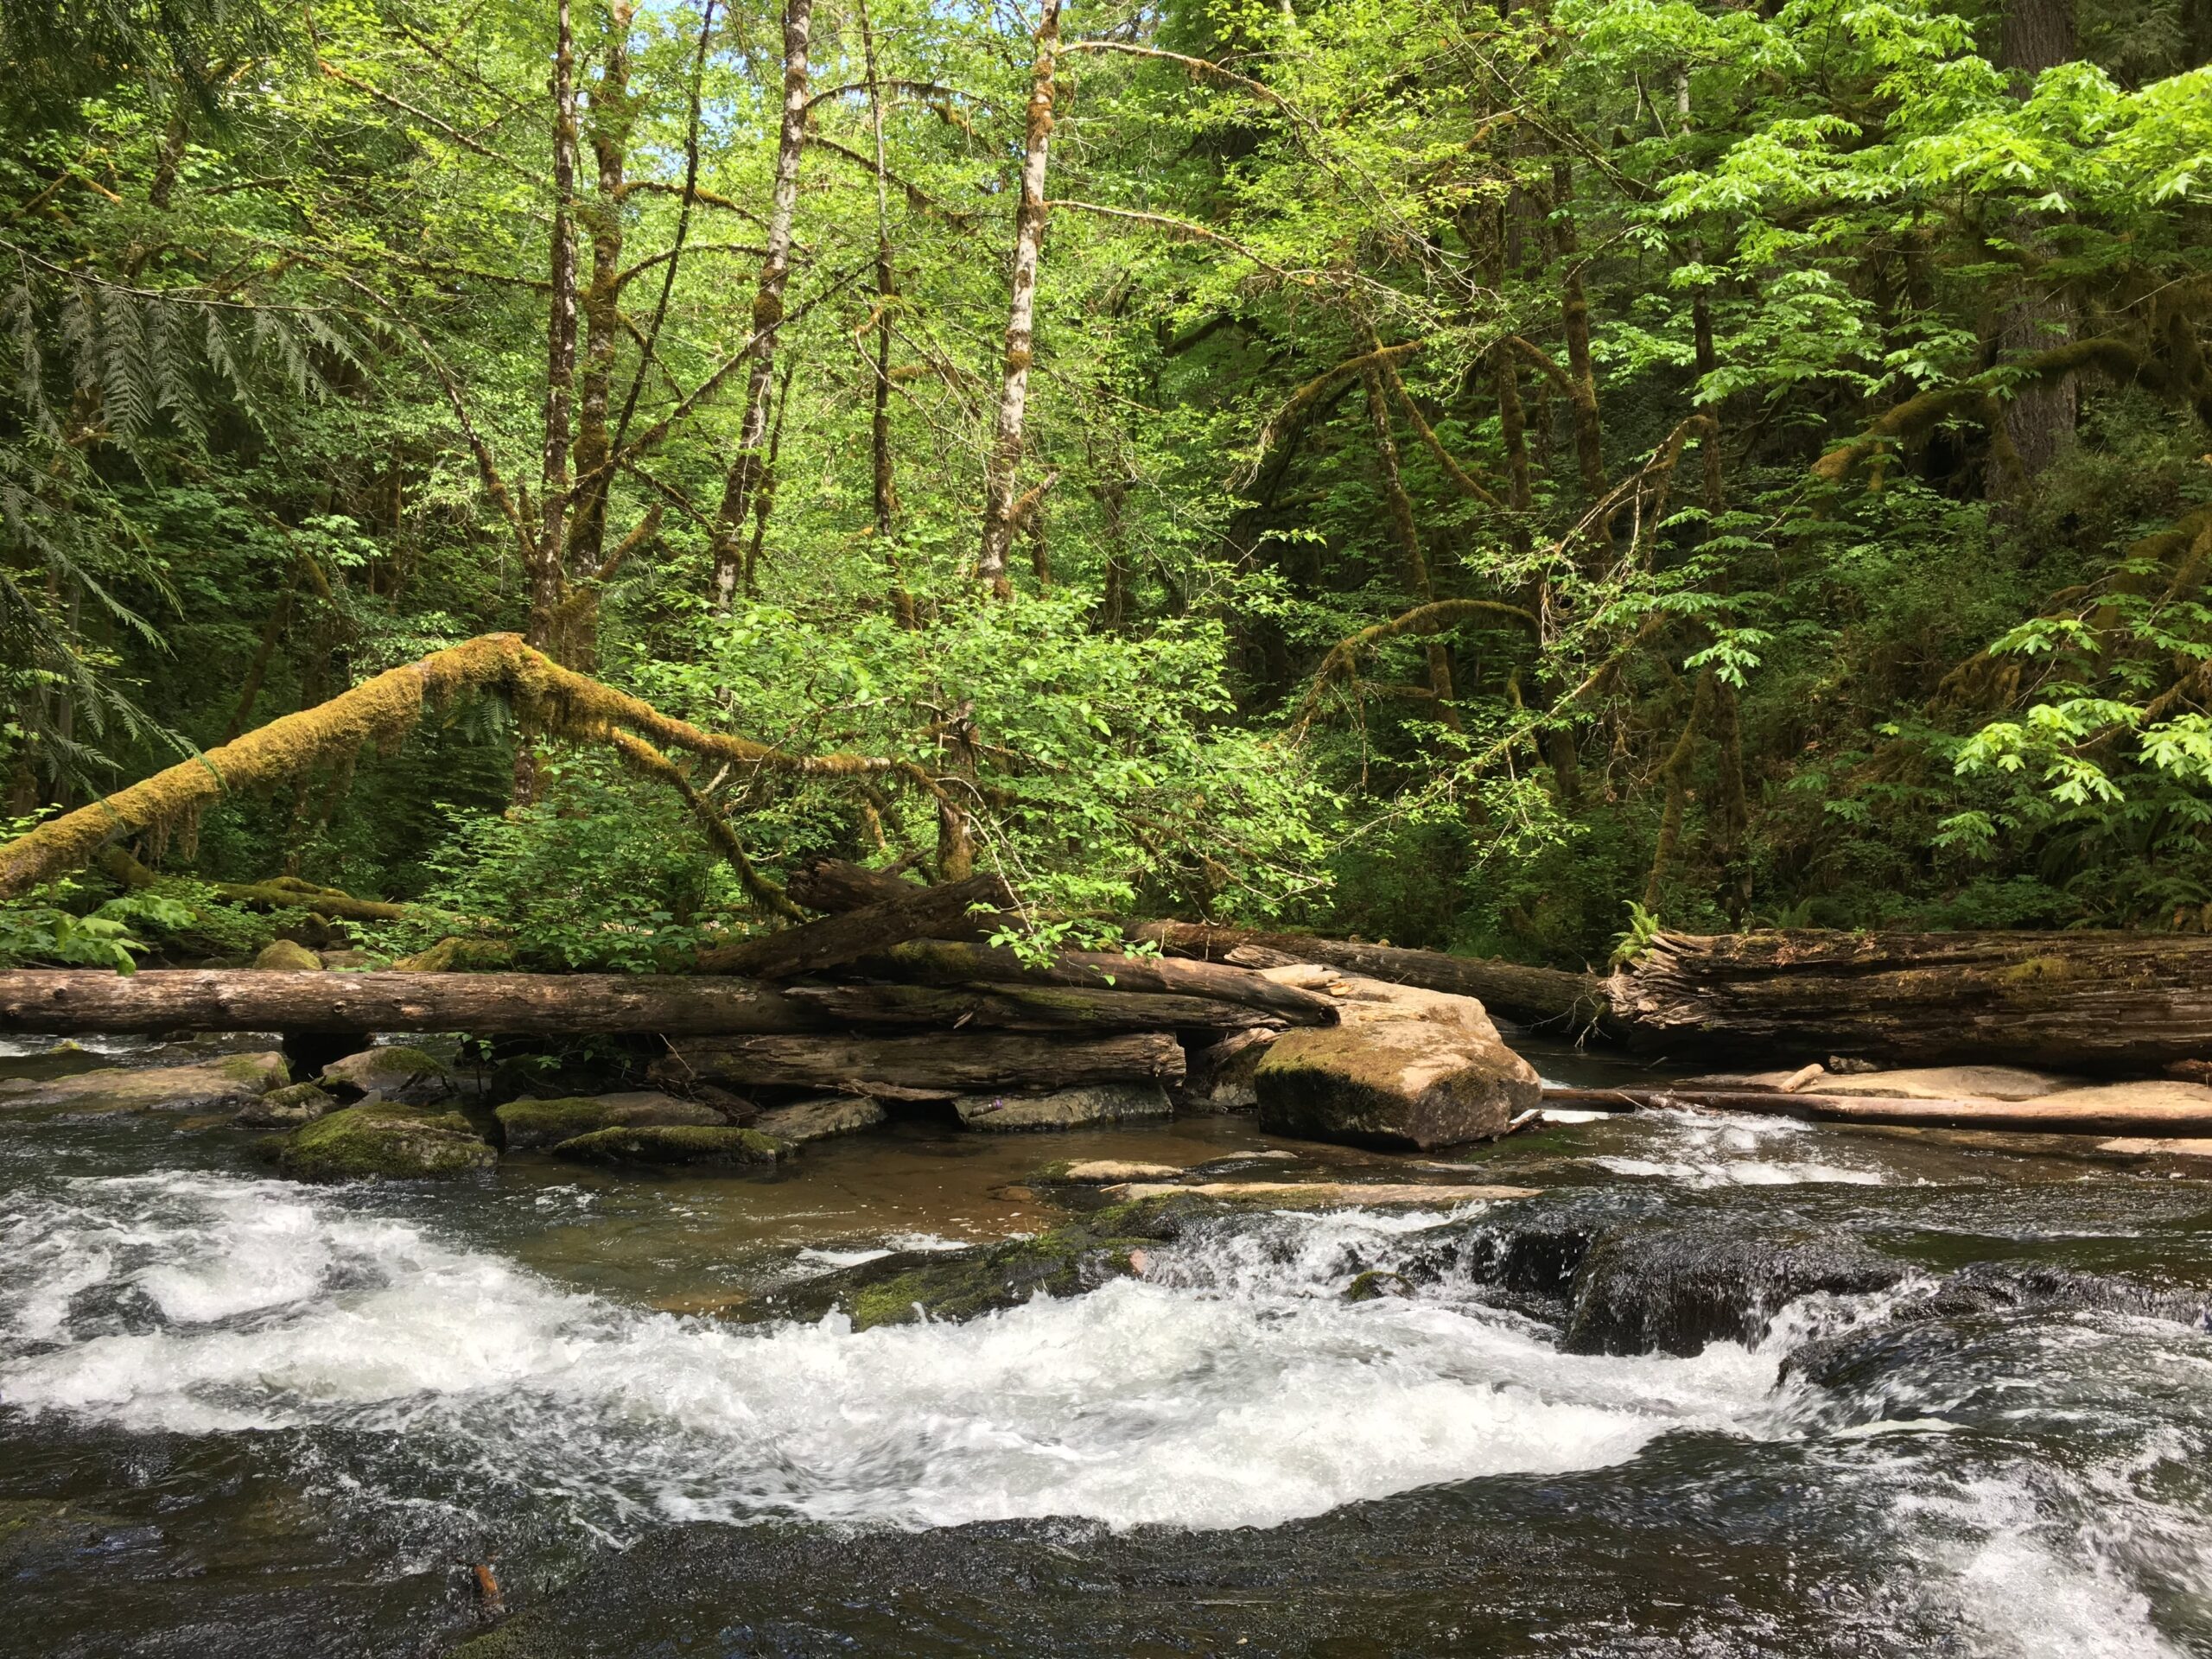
1729	1387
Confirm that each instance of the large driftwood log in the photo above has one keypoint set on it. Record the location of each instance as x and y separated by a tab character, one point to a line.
93	999
960	1062
948	962
1024	1007
834	940
2074	1001
837	885
1535	996
2155	1118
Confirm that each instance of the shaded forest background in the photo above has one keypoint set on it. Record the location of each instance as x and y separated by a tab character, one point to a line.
1481	477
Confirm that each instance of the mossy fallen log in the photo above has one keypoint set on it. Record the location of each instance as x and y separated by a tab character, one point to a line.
184	999
1025	1007
834	941
2080	1001
1534	996
943	1062
950	962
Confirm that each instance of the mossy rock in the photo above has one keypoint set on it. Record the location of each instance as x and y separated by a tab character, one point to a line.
379	1139
696	1145
956	1284
288	957
231	1081
287	1107
526	1125
398	1073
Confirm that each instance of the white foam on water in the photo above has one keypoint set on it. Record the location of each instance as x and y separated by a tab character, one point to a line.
1698	1150
1238	1388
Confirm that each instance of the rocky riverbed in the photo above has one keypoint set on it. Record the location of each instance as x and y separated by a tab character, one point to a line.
1713	1385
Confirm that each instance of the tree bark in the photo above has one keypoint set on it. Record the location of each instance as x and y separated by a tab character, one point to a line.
1024	1007
1004	465
1417	580
837	884
744	477
948	961
834	940
1531	995
2015	1117
2075	1002
154	1000
943	1062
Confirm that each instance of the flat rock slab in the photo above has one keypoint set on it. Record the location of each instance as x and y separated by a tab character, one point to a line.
2134	1147
1103	1172
725	1147
1066	1109
818	1120
1321	1192
1908	1083
531	1125
231	1081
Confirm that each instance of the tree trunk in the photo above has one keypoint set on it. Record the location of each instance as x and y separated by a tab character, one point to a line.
1531	995
942	1063
546	1005
1023	1008
1003	465
2074	1001
767	310
948	962
837	884
919	912
1899	1111
1402	521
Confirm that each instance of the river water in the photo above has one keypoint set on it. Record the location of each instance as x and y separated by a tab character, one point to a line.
1729	1387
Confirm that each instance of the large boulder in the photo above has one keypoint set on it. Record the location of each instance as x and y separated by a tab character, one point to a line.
233	1081
288	957
378	1139
1403	1068
817	1120
714	1146
1066	1109
396	1072
528	1125
286	1107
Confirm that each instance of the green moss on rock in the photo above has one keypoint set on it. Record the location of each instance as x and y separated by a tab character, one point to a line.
287	1107
528	1124
689	1144
379	1139
288	957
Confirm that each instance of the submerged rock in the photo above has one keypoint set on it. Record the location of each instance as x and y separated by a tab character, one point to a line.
288	957
286	1107
1673	1289
398	1073
379	1139
1102	1172
1325	1194
817	1120
1404	1068
1067	1108
231	1081
723	1146
956	1284
531	1125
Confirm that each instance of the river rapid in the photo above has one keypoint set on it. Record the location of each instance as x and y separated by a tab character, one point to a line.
1729	1387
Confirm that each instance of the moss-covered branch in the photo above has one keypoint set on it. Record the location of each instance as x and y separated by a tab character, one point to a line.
382	711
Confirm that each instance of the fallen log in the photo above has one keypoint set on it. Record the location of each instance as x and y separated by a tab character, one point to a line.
1023	1008
2112	1003
184	999
948	961
2047	1117
836	940
942	1063
1534	996
837	885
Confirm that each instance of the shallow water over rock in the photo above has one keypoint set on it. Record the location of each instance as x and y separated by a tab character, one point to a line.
1727	1387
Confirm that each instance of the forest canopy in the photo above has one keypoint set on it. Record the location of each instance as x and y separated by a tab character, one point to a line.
1483	476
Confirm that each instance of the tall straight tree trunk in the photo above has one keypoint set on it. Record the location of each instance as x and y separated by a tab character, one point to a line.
2039	419
1408	535
886	518
1575	324
767	311
611	112
1004	464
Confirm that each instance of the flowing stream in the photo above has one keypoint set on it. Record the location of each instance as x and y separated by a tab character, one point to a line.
1729	1387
